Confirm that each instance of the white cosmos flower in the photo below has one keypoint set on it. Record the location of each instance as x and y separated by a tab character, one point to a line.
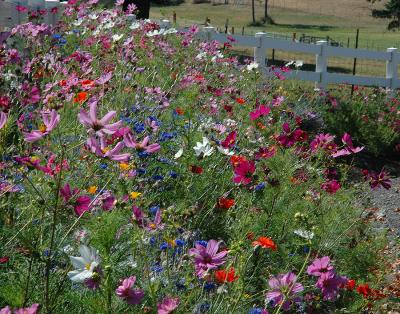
135	25
308	235
93	16
77	22
225	151
117	37
252	66
201	55
85	265
178	153
203	148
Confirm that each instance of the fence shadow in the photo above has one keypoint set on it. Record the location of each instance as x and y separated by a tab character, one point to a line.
307	26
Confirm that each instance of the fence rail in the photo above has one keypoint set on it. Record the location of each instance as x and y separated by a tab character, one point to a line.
260	42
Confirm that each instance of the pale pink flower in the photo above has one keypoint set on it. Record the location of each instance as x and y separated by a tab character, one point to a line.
50	121
168	305
3	119
142	146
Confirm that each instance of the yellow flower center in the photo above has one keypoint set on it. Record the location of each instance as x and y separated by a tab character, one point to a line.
135	195
152	226
87	266
42	128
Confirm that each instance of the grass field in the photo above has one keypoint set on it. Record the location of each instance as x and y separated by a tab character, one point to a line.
336	19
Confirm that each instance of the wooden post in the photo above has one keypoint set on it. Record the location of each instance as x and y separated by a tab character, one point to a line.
355	61
273	56
232	30
226	26
348	42
243	30
321	65
391	70
260	51
174	17
294	37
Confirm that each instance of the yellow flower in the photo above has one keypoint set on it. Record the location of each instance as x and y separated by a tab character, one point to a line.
124	166
92	189
135	195
171	242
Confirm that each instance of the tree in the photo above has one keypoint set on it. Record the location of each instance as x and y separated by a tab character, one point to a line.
143	7
391	11
253	11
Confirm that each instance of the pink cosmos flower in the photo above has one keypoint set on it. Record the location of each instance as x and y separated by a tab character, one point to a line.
99	147
349	149
21	8
168	305
50	121
281	285
3	119
33	309
288	138
330	283
243	173
143	146
320	266
324	141
81	204
126	292
102	126
381	179
145	223
230	140
32	94
266	152
261	111
331	186
206	258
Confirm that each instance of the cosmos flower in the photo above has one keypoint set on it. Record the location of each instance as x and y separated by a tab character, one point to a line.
85	265
50	121
244	171
3	119
261	111
98	126
99	147
142	146
167	305
206	258
203	149
330	283
230	140
320	266
284	285
126	292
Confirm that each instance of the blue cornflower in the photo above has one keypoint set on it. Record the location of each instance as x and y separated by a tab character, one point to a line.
164	246
158	177
152	241
138	127
173	174
260	186
166	136
179	242
153	209
209	286
202	242
143	154
141	171
257	310
103	166
56	36
157	268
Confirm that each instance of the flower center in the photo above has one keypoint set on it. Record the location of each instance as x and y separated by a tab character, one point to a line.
87	266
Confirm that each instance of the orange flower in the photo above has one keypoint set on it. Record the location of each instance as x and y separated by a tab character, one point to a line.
87	83
226	203
179	111
265	243
80	97
240	101
222	276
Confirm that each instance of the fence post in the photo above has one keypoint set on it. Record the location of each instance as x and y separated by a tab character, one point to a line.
52	7
209	30
260	52
321	65
391	69
165	24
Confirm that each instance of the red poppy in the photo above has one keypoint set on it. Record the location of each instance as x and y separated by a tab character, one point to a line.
364	289
87	83
222	276
226	203
265	243
351	283
179	111
240	101
80	97
4	259
196	169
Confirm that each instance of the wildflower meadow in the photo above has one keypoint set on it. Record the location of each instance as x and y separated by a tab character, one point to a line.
144	170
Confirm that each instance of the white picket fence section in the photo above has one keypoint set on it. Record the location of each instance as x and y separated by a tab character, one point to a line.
51	18
260	42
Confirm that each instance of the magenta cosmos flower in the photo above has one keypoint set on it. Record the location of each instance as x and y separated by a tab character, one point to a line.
33	309
320	266
167	305
98	126
81	204
284	285
331	186
243	173
330	283
349	149
50	121
126	292
206	258
381	179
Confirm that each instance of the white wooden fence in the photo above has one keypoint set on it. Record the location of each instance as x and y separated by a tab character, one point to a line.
260	42
51	16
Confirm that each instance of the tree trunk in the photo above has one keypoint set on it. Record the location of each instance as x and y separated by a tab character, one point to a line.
143	7
266	10
253	12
